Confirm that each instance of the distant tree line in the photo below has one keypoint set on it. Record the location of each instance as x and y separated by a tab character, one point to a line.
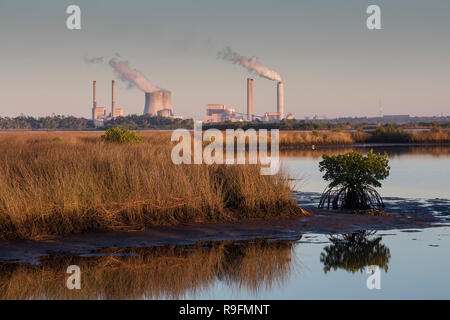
141	122
131	122
282	125
146	121
49	123
334	124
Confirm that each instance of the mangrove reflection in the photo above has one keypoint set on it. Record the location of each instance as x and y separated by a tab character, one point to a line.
353	252
158	272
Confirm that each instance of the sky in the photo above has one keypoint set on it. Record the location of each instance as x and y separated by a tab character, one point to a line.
330	63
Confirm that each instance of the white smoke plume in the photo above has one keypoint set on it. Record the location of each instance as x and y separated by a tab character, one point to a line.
252	64
132	76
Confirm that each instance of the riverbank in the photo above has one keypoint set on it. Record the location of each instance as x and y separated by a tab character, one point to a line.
321	222
292	139
54	184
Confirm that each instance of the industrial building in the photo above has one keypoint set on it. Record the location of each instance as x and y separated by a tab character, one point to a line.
99	115
220	113
166	113
272	116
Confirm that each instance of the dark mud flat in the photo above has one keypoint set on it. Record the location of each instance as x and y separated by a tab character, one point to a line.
414	207
322	222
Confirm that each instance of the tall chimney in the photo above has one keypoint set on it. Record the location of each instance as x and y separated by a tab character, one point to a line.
94	98
280	99
94	94
113	107
250	99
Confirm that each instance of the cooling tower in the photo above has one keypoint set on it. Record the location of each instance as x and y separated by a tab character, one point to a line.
154	101
167	100
280	99
250	99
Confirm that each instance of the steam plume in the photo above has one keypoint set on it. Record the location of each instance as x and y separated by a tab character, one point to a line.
132	76
252	64
93	60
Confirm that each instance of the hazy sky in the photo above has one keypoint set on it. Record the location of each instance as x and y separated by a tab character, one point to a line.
330	62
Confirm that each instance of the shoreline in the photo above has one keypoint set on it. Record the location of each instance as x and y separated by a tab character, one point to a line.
321	222
367	145
294	139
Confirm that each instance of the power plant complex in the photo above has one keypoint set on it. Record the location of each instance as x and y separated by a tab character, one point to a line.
99	114
220	113
157	103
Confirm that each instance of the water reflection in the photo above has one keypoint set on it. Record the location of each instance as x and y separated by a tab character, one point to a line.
353	252
393	152
159	272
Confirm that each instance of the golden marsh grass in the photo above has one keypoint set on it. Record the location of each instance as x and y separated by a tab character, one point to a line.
54	184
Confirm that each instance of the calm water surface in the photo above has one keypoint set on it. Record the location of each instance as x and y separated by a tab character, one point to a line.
416	172
413	263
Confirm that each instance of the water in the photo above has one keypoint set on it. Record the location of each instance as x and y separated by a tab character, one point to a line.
416	268
416	172
413	263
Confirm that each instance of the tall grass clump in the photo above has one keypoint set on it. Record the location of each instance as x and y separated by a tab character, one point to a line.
82	184
389	133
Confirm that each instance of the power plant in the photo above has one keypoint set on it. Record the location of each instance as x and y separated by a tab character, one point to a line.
158	103
99	113
220	113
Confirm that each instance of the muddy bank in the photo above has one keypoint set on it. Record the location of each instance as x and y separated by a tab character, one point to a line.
322	222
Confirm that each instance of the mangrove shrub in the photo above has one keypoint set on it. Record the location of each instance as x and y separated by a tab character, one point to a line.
118	135
353	178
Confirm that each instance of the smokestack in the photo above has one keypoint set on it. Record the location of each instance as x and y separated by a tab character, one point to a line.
94	98
280	99
113	107
94	94
250	99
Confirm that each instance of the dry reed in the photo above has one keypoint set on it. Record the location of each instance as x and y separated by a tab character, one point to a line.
61	183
